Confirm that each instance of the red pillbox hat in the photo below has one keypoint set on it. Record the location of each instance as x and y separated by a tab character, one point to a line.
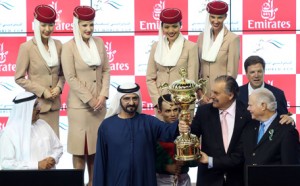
217	7
170	15
45	14
85	13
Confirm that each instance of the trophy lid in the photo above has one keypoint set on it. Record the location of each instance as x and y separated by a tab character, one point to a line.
183	83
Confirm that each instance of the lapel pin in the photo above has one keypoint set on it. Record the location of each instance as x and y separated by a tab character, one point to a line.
271	132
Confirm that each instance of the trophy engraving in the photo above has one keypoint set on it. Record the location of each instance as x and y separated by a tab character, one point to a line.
183	93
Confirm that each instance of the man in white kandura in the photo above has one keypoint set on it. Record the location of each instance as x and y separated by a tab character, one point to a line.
28	142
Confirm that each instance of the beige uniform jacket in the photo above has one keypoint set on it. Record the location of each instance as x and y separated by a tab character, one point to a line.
40	76
158	74
85	81
227	61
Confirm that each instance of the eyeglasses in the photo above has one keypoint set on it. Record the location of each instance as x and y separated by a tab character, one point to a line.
128	99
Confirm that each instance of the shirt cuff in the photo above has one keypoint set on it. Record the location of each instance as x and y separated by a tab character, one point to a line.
33	165
210	162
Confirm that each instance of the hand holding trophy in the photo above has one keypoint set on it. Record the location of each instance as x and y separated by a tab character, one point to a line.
183	92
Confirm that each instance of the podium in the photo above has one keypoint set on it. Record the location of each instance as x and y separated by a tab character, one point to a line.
55	177
272	175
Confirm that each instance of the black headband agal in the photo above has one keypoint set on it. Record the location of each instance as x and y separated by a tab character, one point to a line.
131	90
24	99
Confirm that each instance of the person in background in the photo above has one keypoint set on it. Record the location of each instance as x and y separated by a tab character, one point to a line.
171	53
38	67
86	69
255	72
266	141
168	170
28	142
127	139
219	49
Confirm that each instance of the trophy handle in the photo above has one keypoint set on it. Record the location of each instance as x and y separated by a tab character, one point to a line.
161	87
202	85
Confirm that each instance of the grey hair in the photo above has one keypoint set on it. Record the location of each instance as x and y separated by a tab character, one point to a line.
264	95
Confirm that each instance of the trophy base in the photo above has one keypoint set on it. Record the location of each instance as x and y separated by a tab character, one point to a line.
187	158
187	147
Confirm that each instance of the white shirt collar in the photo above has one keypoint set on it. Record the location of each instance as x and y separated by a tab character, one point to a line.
250	89
231	109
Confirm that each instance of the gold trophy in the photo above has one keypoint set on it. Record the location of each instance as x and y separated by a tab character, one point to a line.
183	92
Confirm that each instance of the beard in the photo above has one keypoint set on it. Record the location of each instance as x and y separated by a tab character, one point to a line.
130	109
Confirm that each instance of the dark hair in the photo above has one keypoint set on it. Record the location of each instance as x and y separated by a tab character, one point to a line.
165	97
162	23
231	85
253	60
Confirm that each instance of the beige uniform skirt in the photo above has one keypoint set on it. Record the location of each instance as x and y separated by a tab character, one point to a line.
52	118
83	122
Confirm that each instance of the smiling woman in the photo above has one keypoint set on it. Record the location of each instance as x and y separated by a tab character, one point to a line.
219	49
86	68
169	54
40	72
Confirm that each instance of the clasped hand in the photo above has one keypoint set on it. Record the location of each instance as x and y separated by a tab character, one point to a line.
97	104
46	163
183	126
52	93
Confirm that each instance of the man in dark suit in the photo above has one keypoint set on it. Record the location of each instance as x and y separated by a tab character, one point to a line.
218	169
255	71
221	164
267	142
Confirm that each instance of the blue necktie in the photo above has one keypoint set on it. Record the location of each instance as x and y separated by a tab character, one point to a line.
261	132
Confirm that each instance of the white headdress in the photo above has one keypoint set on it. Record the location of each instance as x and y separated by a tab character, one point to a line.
50	57
18	126
210	48
164	55
115	107
89	55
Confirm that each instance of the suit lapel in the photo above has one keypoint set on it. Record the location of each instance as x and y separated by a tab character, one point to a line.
39	53
268	135
244	92
254	133
238	124
216	127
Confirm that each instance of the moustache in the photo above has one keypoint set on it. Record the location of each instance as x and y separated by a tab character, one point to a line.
133	106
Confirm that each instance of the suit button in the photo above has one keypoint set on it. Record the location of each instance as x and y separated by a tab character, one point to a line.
253	154
94	69
94	81
50	86
207	76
